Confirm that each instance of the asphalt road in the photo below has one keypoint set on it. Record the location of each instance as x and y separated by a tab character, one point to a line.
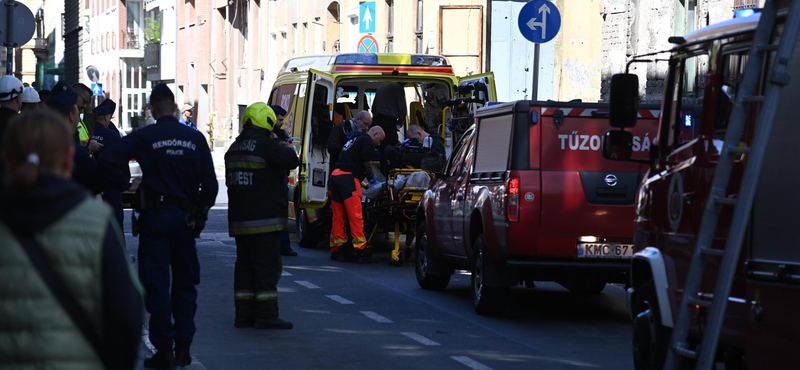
354	316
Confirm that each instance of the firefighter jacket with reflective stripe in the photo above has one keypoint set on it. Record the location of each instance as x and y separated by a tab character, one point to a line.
255	172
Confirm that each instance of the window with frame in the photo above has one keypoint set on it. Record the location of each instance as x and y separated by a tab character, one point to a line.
458	151
687	87
730	77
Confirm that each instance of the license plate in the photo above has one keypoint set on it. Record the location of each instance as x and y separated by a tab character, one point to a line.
604	250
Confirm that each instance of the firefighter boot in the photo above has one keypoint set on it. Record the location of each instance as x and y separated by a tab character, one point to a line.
273	323
182	355
347	253
164	359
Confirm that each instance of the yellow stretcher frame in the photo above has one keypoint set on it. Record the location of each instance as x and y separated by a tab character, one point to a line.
407	198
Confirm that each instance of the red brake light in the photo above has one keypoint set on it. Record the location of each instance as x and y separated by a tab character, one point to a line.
513	186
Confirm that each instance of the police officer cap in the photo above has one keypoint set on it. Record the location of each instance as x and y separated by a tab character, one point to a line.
161	91
105	108
63	95
278	110
10	87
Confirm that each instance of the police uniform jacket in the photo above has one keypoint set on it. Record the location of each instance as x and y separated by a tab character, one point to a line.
255	172
175	162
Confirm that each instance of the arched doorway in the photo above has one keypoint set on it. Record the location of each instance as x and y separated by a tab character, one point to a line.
332	28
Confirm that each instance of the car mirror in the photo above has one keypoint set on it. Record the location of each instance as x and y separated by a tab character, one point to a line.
624	100
617	145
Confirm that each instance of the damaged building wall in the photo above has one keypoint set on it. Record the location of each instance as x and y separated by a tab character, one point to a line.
636	27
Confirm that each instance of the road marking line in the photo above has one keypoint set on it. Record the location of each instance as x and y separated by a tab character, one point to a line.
471	363
376	317
339	299
285	273
307	284
421	339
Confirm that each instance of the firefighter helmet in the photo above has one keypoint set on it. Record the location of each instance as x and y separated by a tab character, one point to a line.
260	115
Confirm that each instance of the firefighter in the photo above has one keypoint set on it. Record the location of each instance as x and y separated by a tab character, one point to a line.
178	188
361	122
255	172
350	173
282	135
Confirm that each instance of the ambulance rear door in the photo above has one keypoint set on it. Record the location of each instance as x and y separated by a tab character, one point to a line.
483	84
315	161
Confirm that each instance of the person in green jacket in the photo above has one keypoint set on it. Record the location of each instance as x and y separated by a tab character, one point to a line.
80	240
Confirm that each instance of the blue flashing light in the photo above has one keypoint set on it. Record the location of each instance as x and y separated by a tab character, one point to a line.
746	12
687	120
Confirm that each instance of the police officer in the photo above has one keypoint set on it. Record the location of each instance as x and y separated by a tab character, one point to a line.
350	171
85	172
282	135
258	206
179	187
106	134
338	138
86	124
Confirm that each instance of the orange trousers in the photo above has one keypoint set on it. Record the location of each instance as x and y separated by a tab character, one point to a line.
345	192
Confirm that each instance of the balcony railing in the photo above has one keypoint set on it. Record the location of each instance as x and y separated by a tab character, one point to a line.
132	40
152	58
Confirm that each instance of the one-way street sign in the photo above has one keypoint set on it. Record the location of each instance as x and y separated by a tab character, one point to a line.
539	21
366	20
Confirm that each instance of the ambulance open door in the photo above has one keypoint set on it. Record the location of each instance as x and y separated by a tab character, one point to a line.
318	122
482	83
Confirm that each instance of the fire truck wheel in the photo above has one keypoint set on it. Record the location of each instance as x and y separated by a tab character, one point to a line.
307	234
423	258
487	300
650	338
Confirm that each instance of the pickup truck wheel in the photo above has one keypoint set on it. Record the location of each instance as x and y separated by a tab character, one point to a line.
307	234
422	259
487	300
650	338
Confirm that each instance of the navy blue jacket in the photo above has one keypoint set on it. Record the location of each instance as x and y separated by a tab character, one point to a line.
175	161
85	171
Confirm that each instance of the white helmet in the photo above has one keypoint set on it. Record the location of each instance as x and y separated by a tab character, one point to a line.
29	95
10	87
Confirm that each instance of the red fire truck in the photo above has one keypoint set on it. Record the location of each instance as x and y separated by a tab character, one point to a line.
755	325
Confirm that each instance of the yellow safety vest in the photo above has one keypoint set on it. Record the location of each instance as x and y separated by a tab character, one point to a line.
83	133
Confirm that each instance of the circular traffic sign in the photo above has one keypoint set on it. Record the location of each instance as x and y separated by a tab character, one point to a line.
368	44
539	21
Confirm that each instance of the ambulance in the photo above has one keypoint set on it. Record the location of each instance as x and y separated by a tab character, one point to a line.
318	92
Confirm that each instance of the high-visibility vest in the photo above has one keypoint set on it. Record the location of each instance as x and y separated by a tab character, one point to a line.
83	133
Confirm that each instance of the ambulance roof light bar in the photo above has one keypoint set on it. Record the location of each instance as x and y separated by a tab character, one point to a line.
391	59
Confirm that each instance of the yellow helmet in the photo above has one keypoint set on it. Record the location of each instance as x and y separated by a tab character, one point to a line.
260	115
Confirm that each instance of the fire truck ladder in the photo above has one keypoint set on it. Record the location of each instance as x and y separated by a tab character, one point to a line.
777	77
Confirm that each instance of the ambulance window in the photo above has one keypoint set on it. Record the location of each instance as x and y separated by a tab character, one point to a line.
731	72
369	96
347	94
284	96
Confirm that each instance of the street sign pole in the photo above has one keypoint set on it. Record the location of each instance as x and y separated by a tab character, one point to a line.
9	4
539	22
535	90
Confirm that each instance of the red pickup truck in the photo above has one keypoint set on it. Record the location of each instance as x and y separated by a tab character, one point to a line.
527	196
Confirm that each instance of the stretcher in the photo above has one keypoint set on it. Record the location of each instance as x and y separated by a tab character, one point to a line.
395	208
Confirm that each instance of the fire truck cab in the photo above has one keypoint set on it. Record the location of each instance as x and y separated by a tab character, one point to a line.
761	328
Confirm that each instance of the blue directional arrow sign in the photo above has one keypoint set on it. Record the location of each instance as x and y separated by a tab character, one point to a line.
539	21
97	89
366	17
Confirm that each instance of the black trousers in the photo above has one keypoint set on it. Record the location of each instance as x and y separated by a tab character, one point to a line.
256	275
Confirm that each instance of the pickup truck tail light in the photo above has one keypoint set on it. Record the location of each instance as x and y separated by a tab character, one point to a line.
512	199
